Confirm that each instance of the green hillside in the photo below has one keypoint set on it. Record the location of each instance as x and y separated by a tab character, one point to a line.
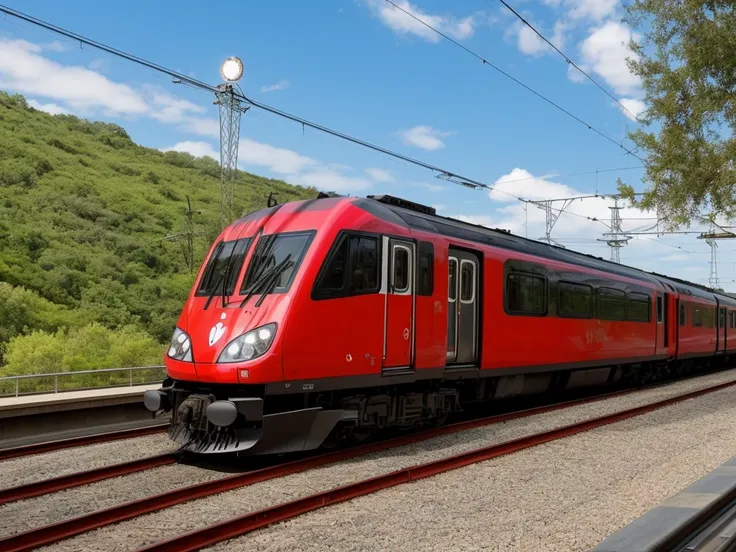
84	213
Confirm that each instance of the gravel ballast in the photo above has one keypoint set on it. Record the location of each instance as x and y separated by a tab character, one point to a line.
26	469
566	495
136	533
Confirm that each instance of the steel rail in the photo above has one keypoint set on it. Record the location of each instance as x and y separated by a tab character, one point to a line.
48	446
201	538
49	534
47	486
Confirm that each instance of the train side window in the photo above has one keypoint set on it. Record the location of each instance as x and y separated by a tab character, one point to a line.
697	317
611	304
526	294
682	314
425	276
660	310
363	264
351	269
575	300
722	318
732	319
639	307
334	277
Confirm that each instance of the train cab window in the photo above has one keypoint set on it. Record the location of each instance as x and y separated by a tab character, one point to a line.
682	314
226	259
526	294
639	307
272	253
350	269
425	270
575	301
611	304
660	310
401	269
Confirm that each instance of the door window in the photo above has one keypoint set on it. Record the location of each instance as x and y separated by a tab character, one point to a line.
467	282
452	292
660	310
401	269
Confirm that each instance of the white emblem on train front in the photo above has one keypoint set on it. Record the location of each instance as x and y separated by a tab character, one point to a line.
217	331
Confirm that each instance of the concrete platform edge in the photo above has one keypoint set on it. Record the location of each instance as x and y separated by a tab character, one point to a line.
648	532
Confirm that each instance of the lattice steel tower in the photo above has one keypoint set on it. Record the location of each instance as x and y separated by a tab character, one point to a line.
616	238
231	109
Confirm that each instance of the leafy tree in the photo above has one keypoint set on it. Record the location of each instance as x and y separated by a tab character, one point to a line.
687	63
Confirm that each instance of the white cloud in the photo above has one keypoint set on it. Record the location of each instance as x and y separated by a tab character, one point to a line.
605	51
597	10
401	23
634	106
329	180
24	70
424	137
529	42
278	160
281	85
558	37
97	64
56	46
299	169
197	149
379	175
51	108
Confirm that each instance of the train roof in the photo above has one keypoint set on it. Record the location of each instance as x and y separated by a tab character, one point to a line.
422	217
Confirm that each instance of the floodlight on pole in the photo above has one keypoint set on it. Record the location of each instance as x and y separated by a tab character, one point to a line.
232	69
230	111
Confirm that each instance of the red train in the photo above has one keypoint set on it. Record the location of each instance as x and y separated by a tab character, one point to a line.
320	320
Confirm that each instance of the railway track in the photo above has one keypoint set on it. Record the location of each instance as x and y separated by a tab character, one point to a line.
84	440
68	528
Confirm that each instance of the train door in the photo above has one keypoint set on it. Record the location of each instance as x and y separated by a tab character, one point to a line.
463	300
398	344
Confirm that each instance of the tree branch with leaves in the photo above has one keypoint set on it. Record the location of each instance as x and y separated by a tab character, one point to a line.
686	60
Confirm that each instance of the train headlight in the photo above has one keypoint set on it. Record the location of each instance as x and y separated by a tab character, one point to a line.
181	346
250	345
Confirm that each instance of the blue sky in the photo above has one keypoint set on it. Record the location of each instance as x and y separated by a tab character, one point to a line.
365	68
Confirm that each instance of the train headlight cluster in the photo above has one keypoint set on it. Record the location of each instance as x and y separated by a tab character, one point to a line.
181	346
250	345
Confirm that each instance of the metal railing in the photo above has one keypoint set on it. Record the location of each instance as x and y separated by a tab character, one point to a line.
108	377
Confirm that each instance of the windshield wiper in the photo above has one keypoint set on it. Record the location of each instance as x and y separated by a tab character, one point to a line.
265	279
268	288
221	282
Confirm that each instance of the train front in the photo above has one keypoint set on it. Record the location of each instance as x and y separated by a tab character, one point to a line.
227	344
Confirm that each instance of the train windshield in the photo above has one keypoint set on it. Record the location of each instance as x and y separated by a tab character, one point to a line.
275	261
224	267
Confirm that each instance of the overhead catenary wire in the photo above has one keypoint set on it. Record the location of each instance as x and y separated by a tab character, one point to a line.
517	81
567	59
184	79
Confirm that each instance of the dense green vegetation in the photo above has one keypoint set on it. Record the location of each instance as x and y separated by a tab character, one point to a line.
87	276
